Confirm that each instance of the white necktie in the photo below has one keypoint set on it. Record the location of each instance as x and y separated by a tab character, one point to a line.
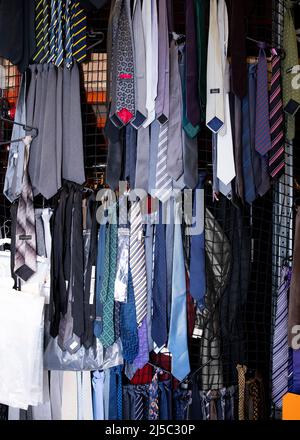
225	157
215	78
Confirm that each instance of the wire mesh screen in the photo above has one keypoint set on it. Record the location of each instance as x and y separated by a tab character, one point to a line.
243	256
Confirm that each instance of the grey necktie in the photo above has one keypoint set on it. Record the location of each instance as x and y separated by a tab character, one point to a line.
39	230
142	158
154	135
140	66
175	150
162	100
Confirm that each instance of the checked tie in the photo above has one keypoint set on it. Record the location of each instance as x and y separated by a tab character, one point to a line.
276	159
25	256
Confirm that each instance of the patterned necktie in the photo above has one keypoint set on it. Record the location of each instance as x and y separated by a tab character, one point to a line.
248	172
60	45
291	94
115	393
40	7
163	180
53	31
78	31
25	256
262	125
46	17
108	286
137	262
276	158
241	369
280	340
153	397
70	11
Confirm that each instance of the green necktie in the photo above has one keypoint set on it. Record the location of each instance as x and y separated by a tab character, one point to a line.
290	60
200	7
107	289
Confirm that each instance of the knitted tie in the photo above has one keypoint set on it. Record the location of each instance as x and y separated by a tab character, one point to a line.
262	126
276	158
291	95
137	262
25	256
153	397
108	286
280	340
241	369
78	30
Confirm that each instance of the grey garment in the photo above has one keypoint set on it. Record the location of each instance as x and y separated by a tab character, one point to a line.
59	126
115	12
219	267
115	152
190	160
106	387
154	135
238	147
13	413
175	147
48	164
56	386
40	235
72	157
142	158
169	253
162	100
15	167
149	250
38	121
218	185
139	65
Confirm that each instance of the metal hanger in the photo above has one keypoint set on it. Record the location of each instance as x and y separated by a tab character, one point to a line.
94	34
33	130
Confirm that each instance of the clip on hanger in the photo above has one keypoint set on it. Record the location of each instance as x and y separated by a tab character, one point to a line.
25	128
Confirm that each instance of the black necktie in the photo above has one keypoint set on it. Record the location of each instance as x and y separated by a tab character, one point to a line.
238	48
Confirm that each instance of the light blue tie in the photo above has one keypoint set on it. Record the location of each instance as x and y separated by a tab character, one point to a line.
178	339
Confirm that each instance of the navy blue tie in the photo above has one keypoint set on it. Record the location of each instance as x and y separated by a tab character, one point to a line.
159	293
128	327
249	184
197	252
115	393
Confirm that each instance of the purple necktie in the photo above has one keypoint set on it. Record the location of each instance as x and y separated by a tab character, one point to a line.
143	354
262	126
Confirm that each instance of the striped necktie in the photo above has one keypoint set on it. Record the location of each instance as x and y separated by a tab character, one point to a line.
46	46
280	340
69	11
25	255
137	262
276	158
53	31
79	32
163	180
40	7
262	125
60	47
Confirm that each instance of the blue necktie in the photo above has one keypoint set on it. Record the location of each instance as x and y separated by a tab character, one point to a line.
159	292
128	327
99	276
178	337
249	185
115	393
197	252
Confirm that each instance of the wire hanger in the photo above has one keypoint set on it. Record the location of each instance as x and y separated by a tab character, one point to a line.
94	34
33	130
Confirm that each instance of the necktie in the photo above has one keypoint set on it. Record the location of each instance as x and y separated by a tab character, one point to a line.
163	180
45	32
39	30
79	33
159	329
238	147
98	397
249	184
197	250
294	297
178	338
25	256
140	66
215	80
142	159
225	158
153	397
70	11
175	147
200	7
128	328
60	45
277	157
143	354
192	97
162	100
125	75
138	403
280	340
53	31
241	371
115	393
137	262
238	48
107	289
291	94
262	126
99	279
